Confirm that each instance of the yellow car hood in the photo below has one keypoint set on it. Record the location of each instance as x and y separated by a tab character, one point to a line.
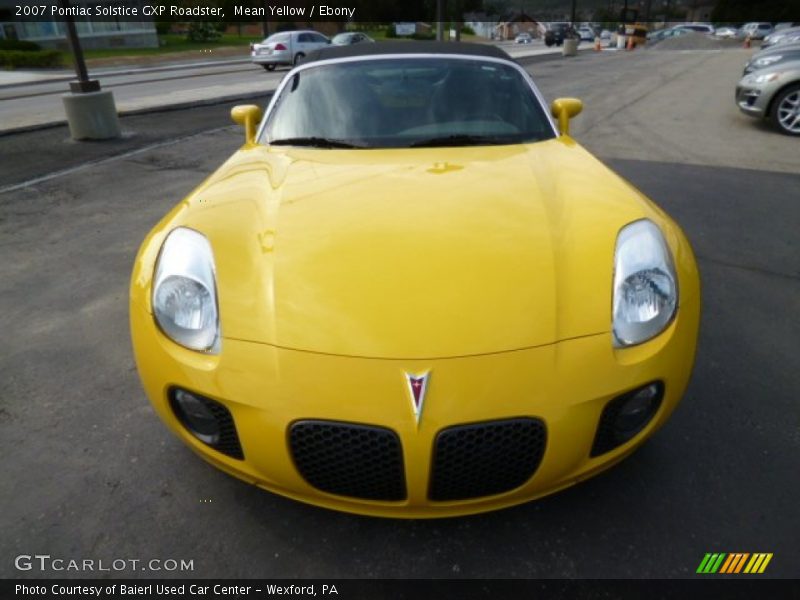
413	253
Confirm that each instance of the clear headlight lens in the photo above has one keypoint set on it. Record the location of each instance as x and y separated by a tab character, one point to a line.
645	285
184	291
767	60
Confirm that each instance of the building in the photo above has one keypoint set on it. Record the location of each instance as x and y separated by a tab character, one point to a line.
94	32
481	24
518	23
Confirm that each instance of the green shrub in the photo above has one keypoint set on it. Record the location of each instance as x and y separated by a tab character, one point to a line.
21	45
423	36
467	30
11	59
203	31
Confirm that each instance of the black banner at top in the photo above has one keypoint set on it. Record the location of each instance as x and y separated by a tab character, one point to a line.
383	11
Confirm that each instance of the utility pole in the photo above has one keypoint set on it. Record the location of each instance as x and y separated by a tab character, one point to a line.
91	113
439	20
84	84
264	22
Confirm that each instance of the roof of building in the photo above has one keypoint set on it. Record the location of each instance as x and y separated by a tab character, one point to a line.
463	48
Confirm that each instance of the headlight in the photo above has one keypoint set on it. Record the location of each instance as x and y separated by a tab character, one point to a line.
645	285
184	291
767	60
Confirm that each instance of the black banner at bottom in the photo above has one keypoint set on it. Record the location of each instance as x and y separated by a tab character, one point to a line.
400	589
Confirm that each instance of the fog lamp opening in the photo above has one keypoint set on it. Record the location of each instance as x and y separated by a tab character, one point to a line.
636	411
627	415
196	416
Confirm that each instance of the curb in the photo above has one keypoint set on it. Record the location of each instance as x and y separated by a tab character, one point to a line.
132	71
149	110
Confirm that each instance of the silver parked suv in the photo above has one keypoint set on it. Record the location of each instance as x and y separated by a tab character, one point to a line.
773	93
286	48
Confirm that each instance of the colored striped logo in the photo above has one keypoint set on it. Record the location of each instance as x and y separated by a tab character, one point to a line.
737	562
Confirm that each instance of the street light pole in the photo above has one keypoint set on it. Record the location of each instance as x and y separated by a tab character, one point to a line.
91	113
84	84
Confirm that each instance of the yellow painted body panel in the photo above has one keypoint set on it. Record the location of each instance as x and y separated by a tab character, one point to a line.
338	271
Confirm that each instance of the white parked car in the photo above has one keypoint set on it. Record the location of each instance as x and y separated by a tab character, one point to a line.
286	48
726	32
586	33
523	38
757	31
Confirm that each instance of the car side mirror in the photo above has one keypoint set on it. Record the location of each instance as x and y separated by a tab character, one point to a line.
248	115
564	109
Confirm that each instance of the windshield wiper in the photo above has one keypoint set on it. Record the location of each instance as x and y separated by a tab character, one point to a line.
316	142
461	140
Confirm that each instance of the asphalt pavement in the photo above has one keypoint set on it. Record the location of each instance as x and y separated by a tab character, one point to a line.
90	472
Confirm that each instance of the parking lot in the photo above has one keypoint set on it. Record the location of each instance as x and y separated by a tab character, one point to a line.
90	472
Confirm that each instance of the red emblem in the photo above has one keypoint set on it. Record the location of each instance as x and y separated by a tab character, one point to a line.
417	386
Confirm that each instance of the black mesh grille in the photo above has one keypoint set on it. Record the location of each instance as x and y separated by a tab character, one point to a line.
360	461
481	459
607	437
228	442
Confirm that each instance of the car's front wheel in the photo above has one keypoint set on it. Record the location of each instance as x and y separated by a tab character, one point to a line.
269	67
298	57
786	111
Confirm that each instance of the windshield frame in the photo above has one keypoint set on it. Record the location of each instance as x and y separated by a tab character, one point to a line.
399	56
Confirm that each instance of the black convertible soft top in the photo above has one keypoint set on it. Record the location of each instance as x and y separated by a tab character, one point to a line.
367	49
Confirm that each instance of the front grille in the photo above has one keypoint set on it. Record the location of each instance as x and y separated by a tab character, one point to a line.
481	459
360	461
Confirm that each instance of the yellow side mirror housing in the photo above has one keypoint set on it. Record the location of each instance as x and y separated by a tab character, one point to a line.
564	109
248	115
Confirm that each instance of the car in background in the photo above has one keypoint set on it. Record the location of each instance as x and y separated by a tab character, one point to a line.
773	93
698	27
782	26
785	36
557	32
286	48
663	34
523	38
775	55
351	37
726	33
757	31
586	33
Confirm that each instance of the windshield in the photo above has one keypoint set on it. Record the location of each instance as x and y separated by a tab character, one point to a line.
404	102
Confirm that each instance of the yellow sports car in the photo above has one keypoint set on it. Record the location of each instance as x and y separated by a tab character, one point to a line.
411	293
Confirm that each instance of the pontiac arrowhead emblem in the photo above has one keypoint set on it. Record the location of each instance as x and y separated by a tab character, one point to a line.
417	386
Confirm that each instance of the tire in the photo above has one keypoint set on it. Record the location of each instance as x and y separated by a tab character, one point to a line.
785	113
297	57
269	67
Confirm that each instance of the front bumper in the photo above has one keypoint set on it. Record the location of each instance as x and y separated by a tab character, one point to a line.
751	100
564	385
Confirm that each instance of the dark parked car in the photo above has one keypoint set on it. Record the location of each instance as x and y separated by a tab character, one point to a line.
557	32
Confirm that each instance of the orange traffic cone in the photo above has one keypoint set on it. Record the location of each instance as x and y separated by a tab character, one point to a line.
630	43
597	45
747	42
